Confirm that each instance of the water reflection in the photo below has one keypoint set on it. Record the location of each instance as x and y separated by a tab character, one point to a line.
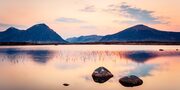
75	67
40	56
140	56
15	55
143	70
96	56
43	56
143	56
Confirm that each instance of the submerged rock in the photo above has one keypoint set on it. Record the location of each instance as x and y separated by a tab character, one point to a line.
131	81
161	49
65	84
101	75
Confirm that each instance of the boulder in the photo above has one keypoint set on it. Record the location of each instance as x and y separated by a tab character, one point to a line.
131	81
101	75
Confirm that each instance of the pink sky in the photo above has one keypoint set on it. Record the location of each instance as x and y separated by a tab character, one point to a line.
85	17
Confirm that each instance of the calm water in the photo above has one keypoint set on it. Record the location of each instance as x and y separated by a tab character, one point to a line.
48	67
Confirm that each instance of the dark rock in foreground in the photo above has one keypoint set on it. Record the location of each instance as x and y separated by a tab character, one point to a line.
101	75
131	81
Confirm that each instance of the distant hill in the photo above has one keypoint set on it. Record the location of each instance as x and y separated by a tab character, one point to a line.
142	33
39	33
84	39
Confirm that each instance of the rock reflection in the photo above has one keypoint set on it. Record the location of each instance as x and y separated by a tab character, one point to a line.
15	55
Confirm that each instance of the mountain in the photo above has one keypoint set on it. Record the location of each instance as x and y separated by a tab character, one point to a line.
39	33
84	39
142	33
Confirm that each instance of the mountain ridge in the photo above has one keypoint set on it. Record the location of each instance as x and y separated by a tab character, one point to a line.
39	33
84	39
42	34
142	33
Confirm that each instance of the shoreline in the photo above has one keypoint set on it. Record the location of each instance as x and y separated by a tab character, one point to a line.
91	43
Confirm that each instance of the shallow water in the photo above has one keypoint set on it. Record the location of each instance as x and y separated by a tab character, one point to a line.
48	67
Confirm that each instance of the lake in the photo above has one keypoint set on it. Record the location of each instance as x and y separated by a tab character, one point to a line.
49	67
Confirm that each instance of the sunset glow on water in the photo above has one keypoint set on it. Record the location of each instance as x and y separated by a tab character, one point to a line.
89	45
48	67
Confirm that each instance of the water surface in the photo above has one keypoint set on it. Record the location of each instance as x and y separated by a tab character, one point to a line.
48	67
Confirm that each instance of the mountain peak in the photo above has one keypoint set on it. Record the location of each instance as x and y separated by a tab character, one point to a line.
140	27
40	26
12	29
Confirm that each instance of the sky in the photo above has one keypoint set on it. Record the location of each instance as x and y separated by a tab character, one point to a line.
71	18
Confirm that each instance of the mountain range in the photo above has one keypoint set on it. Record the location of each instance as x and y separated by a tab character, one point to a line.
84	39
42	34
39	33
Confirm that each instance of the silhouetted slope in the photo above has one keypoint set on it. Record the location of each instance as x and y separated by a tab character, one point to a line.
39	33
140	33
84	39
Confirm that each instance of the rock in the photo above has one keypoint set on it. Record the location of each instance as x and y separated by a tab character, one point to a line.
161	50
131	81
65	84
101	75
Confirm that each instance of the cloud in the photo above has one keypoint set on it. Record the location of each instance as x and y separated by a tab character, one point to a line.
90	8
88	27
5	26
10	25
69	20
126	22
143	70
137	15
